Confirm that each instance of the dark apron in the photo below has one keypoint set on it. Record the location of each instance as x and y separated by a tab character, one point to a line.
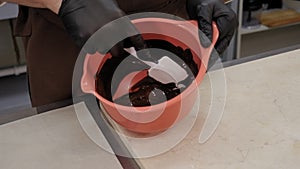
51	54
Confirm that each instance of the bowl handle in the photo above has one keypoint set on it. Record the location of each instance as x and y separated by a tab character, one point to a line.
87	80
215	32
215	37
208	50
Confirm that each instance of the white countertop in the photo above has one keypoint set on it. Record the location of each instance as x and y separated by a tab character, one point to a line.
260	128
53	140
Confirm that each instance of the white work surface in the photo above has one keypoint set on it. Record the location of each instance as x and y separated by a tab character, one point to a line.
260	128
54	140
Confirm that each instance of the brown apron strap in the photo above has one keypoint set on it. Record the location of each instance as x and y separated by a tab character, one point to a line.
23	23
50	56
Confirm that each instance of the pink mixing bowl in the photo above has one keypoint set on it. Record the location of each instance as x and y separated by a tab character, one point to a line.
159	117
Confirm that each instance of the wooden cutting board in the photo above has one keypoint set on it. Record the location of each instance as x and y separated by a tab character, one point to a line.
280	17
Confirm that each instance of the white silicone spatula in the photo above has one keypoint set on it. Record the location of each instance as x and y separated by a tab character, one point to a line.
165	71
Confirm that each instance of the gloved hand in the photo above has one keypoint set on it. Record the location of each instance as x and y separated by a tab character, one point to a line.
206	11
82	18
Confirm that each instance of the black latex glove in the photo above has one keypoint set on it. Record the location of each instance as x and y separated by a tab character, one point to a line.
206	11
82	18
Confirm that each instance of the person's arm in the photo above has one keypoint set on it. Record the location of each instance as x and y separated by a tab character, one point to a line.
84	17
53	5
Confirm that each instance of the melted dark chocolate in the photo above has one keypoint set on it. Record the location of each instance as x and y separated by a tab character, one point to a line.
148	91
